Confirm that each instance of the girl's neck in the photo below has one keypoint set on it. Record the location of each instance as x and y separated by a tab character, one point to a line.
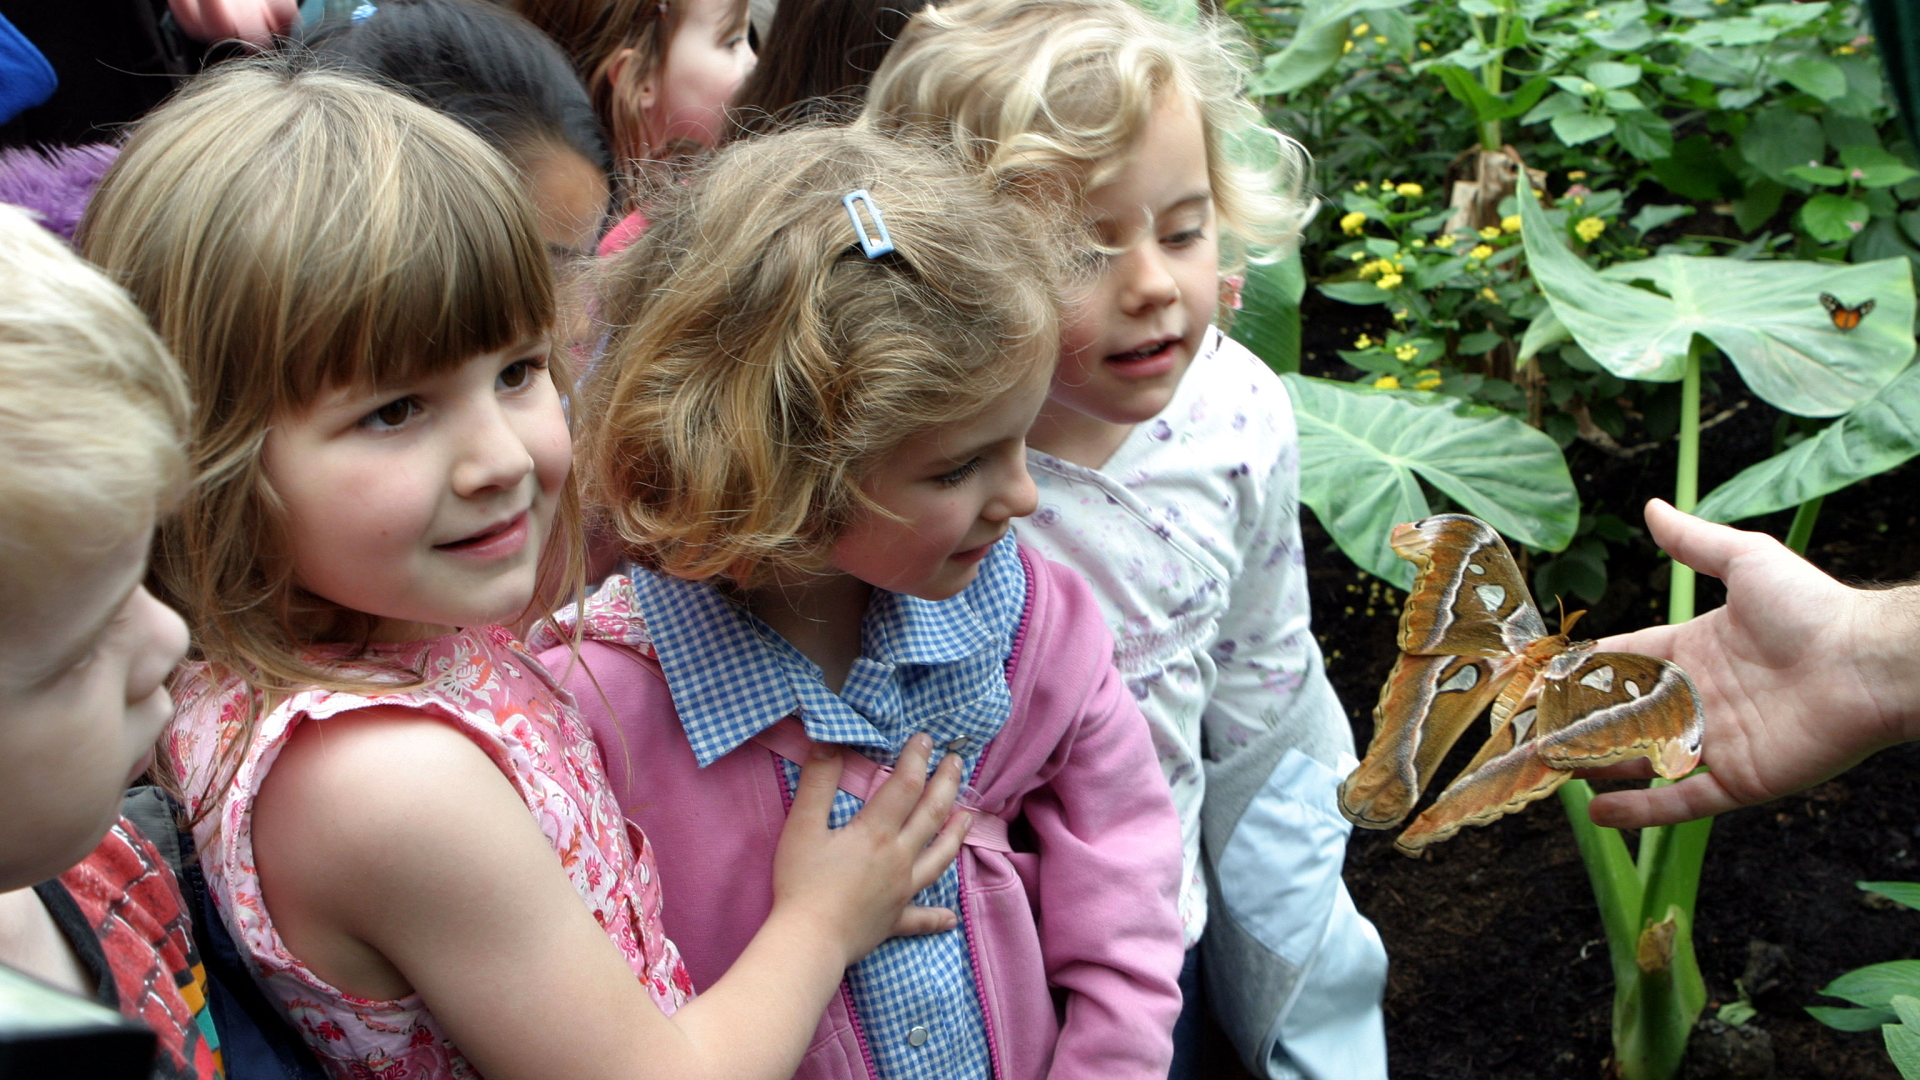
820	615
1071	435
30	941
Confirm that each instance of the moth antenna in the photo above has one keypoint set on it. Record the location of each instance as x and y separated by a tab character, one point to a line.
1567	621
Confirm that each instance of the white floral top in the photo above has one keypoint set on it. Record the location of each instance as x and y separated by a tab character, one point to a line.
1190	537
483	682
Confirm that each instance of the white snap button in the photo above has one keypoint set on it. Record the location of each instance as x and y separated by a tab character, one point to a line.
960	743
918	1036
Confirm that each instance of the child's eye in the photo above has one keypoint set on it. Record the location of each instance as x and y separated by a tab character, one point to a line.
1185	238
520	373
960	475
392	415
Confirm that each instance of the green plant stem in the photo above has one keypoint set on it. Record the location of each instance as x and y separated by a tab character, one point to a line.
1802	529
1492	75
1686	484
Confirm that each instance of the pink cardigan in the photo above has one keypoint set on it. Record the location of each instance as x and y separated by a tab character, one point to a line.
1074	764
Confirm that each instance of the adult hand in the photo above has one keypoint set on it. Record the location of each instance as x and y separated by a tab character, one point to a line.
255	21
1801	677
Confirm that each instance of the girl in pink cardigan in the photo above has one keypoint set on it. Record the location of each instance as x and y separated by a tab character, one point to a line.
808	435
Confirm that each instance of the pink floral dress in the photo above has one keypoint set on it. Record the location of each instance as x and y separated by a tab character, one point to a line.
483	682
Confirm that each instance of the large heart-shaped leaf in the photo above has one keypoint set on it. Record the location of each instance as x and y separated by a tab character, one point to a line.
1363	453
1765	315
1315	47
1880	434
1268	321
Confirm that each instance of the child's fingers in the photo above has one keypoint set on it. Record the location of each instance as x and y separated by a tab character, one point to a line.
915	921
887	810
935	805
934	858
819	779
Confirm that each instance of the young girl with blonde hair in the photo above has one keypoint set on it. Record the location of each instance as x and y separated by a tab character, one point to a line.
401	818
807	434
1167	464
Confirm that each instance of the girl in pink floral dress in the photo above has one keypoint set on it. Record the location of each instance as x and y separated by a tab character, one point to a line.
402	821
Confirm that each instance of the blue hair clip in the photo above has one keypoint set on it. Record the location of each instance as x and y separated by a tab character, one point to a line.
873	246
363	13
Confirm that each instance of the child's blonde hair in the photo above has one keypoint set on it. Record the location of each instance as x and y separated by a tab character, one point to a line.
290	231
93	416
760	364
596	34
1055	93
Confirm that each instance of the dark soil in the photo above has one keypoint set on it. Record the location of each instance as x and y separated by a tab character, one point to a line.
1498	965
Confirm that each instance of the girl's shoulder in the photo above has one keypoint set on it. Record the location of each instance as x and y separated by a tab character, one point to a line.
610	614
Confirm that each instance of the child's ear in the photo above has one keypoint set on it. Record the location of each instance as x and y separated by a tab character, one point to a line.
642	96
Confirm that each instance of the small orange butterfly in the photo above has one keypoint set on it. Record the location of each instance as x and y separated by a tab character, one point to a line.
1844	318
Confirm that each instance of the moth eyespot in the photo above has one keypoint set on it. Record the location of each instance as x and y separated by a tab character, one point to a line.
1632	688
1601	679
1523	723
1477	568
1466	678
1491	595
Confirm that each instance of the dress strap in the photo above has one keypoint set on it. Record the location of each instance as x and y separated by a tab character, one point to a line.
861	776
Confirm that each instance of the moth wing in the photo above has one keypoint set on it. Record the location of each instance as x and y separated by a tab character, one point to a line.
1468	597
1499	786
1425	705
1600	708
1831	303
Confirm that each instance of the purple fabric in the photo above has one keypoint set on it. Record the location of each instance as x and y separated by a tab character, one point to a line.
54	184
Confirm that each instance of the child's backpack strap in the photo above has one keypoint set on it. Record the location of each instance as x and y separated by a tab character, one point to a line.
861	776
256	1043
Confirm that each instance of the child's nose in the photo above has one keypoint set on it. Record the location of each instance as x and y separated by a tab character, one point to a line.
1018	497
493	457
1147	281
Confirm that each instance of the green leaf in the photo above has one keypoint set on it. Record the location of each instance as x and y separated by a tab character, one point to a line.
1558	105
1765	315
1903	1046
1580	571
1543	331
1695	171
1646	135
1907	1009
1363	452
1761	202
1904	893
1815	74
1467	90
1833	219
1873	986
1612	75
1268	321
1736	1013
1851	1019
1778	139
1356	292
1874	437
1824	175
1654	215
1317	45
1576	128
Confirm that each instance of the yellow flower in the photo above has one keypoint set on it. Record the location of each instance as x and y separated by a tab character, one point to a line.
1389	185
1417	243
1359	256
1351	224
1347	47
1487	293
1363	342
1491	232
1361	186
1446	239
1845	50
1591	15
1510	223
1577	174
1400	315
1426	46
1411	191
1590	227
1426	379
1388	282
1480	251
1386	382
1406	352
1379	39
1361	30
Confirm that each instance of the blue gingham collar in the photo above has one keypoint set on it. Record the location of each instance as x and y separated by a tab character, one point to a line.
924	664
